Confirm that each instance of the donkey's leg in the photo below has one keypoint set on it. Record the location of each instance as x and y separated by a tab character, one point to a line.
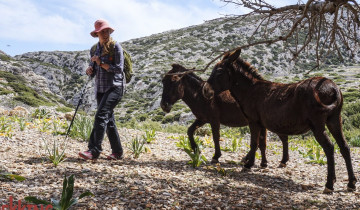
255	130
262	147
215	127
285	157
190	132
324	141
334	126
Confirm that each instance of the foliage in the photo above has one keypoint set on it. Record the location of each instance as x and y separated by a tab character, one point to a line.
44	124
235	139
64	109
152	125
40	113
204	131
137	147
54	155
6	127
12	176
82	127
4	57
57	125
149	136
353	137
351	123
4	91
66	200
22	123
220	170
196	158
25	94
184	142
314	152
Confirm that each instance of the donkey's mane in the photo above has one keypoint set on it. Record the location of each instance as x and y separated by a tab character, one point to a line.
178	68
247	69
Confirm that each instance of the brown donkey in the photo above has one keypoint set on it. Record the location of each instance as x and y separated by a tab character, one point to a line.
285	109
178	84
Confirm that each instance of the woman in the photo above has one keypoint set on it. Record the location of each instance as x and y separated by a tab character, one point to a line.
107	67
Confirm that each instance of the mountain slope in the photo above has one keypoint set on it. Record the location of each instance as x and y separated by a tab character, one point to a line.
63	73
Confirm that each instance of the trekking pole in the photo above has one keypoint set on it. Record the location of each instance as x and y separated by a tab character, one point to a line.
78	105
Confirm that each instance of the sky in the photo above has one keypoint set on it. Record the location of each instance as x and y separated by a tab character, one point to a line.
65	25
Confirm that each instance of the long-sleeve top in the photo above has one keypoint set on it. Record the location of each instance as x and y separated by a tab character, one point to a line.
114	76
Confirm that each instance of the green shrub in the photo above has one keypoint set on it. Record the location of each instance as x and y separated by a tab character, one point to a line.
66	200
175	128
150	125
149	136
158	118
203	131
137	146
351	96
4	91
82	127
64	109
26	94
169	118
142	117
5	58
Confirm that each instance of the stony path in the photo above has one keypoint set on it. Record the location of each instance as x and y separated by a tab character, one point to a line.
162	179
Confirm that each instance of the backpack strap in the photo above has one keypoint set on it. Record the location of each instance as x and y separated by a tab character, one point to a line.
93	49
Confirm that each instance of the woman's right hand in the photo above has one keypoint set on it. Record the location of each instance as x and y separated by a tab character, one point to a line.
89	70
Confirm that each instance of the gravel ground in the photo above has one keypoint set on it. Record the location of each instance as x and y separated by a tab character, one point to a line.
162	179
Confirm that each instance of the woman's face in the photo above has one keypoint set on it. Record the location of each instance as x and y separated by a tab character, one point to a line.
104	35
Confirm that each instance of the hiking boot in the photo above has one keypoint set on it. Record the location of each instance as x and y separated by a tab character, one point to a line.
86	155
115	156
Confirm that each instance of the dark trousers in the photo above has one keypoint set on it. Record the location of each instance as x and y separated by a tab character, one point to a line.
105	122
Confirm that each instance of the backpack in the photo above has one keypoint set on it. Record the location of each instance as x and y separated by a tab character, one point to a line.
127	60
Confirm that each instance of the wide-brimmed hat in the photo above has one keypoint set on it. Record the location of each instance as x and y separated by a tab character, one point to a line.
99	26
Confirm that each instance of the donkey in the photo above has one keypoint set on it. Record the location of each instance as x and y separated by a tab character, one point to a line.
178	84
285	109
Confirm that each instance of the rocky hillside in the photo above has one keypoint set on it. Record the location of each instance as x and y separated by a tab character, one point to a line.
59	76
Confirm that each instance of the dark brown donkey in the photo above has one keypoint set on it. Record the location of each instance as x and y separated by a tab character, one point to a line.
285	109
221	109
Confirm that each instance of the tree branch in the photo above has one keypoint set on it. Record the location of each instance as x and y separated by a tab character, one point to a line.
325	24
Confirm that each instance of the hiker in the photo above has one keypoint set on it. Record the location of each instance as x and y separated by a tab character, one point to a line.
107	64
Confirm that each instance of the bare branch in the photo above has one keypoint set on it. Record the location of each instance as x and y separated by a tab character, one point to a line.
319	26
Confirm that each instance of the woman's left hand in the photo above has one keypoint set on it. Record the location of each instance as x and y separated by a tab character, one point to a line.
105	66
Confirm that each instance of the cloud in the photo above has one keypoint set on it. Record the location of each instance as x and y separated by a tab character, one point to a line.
24	21
70	22
66	24
142	18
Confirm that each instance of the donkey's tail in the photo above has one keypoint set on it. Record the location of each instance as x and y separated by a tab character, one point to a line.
327	94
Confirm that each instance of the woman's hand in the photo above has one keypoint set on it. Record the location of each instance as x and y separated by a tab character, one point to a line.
89	70
96	59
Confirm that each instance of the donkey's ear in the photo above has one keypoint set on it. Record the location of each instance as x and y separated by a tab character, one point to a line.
234	55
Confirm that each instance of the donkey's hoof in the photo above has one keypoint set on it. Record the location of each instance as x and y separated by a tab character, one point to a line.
328	191
263	165
245	170
349	189
243	161
282	165
214	161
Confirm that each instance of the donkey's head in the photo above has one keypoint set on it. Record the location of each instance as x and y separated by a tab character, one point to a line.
220	78
173	88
